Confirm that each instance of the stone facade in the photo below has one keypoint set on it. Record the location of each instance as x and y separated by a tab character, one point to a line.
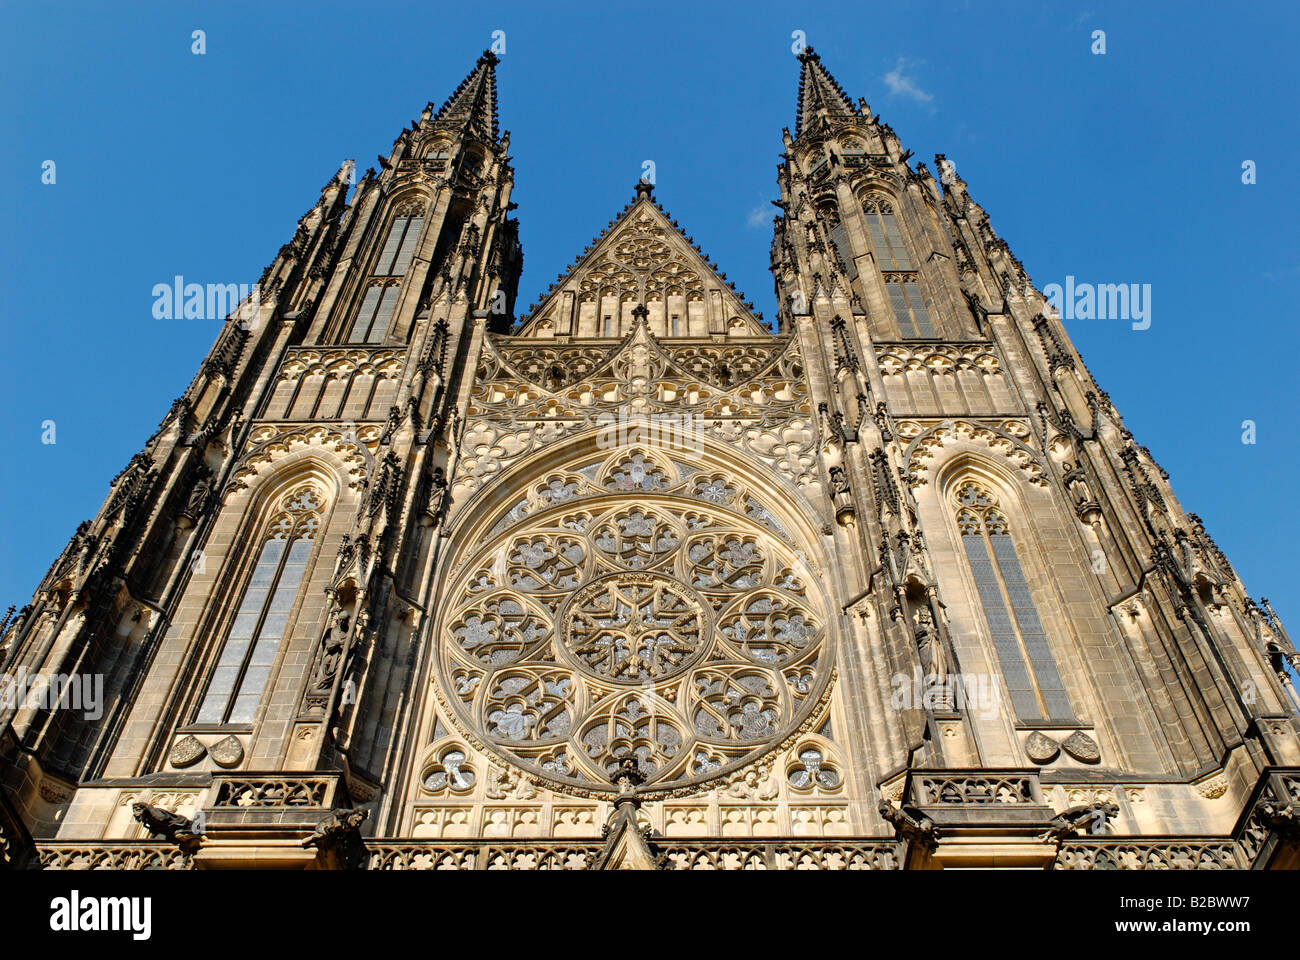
411	579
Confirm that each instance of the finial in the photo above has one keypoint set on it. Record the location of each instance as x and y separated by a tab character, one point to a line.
627	778
640	312
808	54
490	58
644	188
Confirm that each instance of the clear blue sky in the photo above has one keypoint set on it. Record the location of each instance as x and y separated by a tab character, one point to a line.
1117	168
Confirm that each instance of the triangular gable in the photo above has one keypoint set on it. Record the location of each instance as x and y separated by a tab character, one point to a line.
626	847
642	258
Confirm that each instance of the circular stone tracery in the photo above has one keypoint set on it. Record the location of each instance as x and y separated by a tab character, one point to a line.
675	624
631	628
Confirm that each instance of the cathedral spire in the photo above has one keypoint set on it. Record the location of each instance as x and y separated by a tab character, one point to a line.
474	103
819	94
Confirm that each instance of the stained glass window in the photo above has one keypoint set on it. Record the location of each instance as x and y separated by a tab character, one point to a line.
240	678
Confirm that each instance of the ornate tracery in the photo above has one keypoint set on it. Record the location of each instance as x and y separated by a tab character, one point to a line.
1022	647
636	606
262	619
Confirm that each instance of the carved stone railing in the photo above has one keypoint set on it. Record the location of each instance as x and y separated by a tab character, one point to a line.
793	854
1267	834
929	787
427	164
869	854
1171	853
278	791
112	855
480	855
273	799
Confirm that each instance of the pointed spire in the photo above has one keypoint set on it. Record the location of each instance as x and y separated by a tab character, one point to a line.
475	101
819	94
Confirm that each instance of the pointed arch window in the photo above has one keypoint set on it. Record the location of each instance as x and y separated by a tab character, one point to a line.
376	311
902	282
891	252
403	235
909	306
380	297
1023	652
839	240
239	680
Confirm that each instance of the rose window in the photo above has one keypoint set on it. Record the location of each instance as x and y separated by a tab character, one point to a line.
634	628
680	628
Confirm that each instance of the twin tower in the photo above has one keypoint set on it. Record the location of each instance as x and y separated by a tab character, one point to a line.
411	578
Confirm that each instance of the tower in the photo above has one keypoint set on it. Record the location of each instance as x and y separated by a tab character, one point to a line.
408	578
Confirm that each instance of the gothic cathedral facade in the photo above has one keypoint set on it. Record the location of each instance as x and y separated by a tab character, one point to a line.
409	578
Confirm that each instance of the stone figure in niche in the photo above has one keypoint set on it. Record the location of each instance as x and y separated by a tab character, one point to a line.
929	647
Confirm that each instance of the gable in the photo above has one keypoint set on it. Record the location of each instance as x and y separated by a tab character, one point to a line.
642	258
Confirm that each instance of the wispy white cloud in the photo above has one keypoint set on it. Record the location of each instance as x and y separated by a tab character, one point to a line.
759	217
901	83
1284	271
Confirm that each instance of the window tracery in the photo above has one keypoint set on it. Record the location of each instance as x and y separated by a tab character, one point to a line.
450	773
399	247
379	300
371	322
659	620
262	618
1006	599
902	281
813	770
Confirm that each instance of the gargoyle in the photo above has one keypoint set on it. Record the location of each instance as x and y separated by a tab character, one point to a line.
167	825
909	823
1094	816
338	838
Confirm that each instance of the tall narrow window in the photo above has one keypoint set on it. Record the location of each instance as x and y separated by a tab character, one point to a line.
901	278
1018	637
377	306
380	298
841	241
240	677
909	309
891	252
398	249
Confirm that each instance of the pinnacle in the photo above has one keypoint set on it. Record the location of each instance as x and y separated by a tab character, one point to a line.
474	102
819	93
